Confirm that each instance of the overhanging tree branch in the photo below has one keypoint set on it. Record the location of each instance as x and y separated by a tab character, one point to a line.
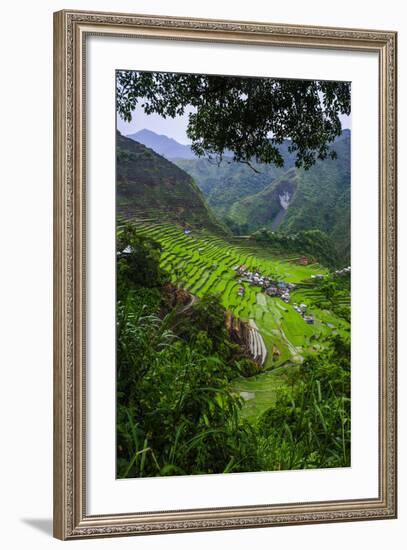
248	117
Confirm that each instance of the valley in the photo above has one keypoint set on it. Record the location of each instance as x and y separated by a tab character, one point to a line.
204	263
248	198
232	308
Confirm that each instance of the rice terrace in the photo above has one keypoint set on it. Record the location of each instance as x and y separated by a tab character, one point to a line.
233	275
205	264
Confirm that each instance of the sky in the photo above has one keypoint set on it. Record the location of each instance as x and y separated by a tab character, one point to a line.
173	127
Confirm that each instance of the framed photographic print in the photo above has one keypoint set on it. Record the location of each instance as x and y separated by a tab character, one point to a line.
225	274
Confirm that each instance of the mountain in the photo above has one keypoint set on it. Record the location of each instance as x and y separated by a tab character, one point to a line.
318	198
225	183
149	185
268	207
286	199
163	145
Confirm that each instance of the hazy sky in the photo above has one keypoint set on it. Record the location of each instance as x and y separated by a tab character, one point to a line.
172	127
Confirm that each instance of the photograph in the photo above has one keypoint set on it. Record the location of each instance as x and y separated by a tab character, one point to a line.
225	270
233	274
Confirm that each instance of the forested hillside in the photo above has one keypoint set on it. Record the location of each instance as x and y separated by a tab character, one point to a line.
225	183
318	198
150	185
287	199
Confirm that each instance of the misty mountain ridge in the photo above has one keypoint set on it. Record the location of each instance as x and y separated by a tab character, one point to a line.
170	148
165	146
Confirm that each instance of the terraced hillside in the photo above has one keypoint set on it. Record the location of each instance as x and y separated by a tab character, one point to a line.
204	263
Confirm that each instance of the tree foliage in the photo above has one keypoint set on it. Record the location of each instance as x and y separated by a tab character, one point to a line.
137	261
309	426
249	117
176	413
313	242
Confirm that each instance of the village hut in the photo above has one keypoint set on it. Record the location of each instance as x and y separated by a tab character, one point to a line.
272	291
303	260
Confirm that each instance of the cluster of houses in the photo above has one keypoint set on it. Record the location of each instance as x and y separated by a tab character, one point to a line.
252	277
272	288
301	309
343	271
281	289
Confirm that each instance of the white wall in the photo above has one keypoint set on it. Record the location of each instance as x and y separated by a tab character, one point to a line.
25	292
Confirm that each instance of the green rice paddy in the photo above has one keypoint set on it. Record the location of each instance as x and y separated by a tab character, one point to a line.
204	263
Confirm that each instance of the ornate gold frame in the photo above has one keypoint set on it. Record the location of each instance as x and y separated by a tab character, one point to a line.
70	31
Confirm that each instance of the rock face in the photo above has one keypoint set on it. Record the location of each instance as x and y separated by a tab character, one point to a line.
248	336
268	207
257	346
285	200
